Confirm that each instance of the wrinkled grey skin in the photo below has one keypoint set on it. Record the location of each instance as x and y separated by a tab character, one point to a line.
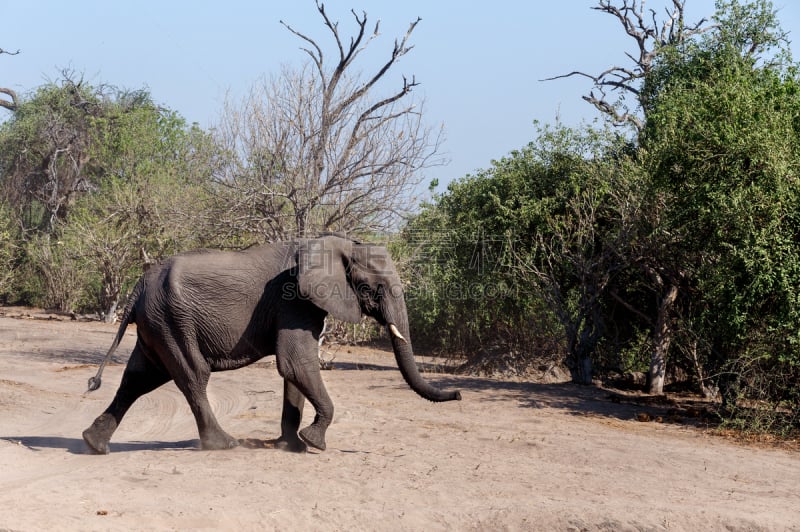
212	311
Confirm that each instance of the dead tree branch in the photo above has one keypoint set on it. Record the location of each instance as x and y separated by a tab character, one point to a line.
10	105
320	148
651	39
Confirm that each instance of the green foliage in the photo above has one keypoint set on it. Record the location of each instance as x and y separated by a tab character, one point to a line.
765	394
727	151
9	243
43	150
133	189
60	273
682	244
687	241
723	145
148	198
518	254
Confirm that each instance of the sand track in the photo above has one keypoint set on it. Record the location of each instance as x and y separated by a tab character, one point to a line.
511	455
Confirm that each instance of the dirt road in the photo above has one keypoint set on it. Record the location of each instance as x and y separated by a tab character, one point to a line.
510	455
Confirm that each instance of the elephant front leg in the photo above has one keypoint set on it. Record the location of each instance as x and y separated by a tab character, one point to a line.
313	388
293	401
298	363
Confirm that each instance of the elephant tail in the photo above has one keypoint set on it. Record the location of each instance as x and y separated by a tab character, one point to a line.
128	316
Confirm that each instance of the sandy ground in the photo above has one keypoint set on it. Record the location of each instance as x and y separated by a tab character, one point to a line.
511	455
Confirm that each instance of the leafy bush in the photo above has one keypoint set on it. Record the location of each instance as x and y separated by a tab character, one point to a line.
514	257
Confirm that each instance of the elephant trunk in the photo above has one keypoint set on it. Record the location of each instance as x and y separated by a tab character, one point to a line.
404	355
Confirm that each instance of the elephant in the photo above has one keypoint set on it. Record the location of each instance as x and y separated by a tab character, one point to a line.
205	311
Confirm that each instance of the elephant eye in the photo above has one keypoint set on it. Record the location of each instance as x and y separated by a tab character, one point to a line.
369	297
380	291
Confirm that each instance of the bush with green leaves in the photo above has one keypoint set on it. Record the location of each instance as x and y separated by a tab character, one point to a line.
723	145
9	249
522	253
101	180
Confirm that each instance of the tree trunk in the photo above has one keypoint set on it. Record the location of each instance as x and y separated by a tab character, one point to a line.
110	296
582	336
662	336
111	312
581	373
708	390
581	369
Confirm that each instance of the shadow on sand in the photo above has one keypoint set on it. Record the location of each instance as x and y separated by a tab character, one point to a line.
575	399
78	446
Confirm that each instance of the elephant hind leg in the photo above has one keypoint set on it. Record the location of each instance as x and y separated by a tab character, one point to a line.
212	437
191	373
141	376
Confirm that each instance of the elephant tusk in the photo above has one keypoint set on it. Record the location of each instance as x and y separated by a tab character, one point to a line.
396	333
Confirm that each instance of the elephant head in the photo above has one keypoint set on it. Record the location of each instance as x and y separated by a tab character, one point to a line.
348	279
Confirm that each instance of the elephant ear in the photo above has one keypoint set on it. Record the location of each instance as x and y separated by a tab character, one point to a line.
322	277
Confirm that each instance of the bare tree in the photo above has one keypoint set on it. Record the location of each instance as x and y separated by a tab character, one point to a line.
651	38
315	149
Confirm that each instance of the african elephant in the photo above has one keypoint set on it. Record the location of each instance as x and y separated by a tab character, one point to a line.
206	311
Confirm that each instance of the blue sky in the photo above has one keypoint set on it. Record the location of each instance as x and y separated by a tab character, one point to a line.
479	64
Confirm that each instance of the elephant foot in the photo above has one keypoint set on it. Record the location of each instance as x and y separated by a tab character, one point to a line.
314	436
293	445
99	434
218	441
